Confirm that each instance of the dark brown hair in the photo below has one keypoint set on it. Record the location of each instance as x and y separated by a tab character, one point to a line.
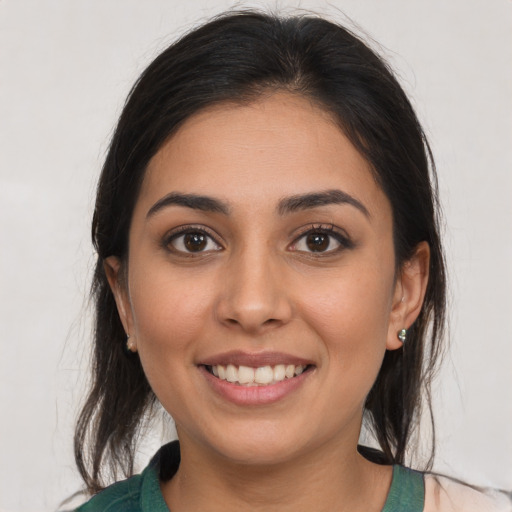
237	57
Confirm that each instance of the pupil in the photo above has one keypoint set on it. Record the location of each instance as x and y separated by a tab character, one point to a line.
195	242
317	242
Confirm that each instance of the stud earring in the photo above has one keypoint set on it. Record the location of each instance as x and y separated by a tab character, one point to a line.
402	335
130	344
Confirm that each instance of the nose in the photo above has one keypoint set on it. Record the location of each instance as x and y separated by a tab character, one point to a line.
254	296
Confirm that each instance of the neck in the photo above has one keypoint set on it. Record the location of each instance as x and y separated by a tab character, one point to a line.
326	479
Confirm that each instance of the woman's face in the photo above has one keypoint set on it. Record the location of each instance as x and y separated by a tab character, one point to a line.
261	247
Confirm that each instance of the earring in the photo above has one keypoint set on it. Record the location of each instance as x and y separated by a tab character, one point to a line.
402	335
130	344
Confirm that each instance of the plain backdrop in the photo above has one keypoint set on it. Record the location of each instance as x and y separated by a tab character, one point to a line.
65	69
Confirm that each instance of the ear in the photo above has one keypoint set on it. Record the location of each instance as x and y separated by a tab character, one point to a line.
410	288
117	281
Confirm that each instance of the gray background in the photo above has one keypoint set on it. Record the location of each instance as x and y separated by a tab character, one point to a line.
65	69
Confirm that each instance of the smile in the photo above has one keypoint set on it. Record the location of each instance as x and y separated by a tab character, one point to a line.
260	376
249	378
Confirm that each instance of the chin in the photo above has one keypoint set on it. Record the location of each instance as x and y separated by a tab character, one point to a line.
265	453
261	444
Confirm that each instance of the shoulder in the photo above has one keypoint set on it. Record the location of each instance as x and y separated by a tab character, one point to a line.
124	495
444	494
140	493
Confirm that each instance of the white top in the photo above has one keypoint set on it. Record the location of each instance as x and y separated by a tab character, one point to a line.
443	494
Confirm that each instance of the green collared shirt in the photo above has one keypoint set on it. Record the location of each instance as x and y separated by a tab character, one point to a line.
141	493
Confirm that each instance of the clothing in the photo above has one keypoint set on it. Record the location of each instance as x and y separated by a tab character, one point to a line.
410	491
443	494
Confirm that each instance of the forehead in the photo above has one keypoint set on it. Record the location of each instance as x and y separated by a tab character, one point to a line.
276	146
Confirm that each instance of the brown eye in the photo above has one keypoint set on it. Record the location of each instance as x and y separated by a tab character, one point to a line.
322	240
195	242
318	242
192	241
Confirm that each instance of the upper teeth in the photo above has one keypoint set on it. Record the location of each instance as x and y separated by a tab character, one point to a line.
248	376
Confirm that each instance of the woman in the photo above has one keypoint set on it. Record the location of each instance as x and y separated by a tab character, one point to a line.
270	270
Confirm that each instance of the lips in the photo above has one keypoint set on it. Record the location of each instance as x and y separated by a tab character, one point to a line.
255	378
254	359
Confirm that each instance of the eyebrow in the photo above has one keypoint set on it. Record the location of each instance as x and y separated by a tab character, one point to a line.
316	199
287	205
196	202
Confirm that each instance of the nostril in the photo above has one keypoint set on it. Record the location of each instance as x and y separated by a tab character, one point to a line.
252	312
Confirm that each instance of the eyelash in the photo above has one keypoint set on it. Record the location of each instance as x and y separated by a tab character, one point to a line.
321	229
332	232
182	231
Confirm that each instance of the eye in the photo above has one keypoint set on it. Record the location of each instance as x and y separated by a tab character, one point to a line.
191	240
323	239
316	242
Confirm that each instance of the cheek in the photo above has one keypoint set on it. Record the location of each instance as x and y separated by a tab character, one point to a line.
355	306
168	311
351	315
170	318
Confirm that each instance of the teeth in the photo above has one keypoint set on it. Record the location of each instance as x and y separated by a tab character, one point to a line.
263	376
245	375
231	373
279	372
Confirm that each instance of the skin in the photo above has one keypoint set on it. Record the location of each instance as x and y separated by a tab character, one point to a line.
258	287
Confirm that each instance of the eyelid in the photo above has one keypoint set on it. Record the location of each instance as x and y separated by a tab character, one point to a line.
174	233
337	233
